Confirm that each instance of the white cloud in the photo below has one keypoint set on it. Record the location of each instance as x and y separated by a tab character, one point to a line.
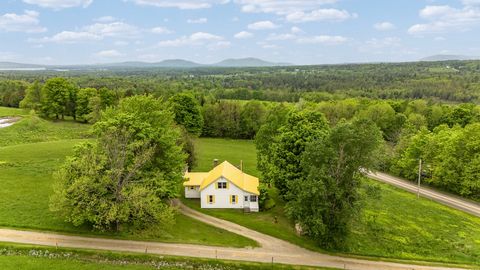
113	29
97	31
195	39
270	46
384	26
197	21
59	4
281	7
326	14
262	25
296	30
388	42
297	10
105	19
243	35
27	22
108	54
287	36
444	18
219	45
322	39
161	30
180	4
69	37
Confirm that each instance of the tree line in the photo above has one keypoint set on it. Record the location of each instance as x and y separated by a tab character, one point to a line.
450	81
58	98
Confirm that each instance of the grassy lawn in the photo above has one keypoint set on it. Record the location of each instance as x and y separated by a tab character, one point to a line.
26	184
13	257
234	151
397	225
6	111
32	129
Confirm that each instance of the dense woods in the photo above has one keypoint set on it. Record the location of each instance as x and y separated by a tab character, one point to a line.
450	81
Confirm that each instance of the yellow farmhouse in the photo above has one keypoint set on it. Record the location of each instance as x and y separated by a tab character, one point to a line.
225	186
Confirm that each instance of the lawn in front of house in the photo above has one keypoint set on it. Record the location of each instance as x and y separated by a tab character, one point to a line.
26	185
396	225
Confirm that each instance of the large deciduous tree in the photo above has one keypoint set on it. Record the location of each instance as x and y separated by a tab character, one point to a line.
128	174
251	118
324	201
266	138
85	100
58	98
33	97
187	112
301	128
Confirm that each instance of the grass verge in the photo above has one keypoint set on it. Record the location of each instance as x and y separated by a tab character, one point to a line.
27	257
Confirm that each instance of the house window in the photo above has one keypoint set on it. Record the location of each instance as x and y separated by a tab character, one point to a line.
222	185
246	198
253	198
233	199
211	199
191	187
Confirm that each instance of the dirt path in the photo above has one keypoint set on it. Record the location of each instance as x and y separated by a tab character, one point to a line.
450	200
272	249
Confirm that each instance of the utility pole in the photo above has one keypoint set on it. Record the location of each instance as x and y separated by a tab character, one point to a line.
419	177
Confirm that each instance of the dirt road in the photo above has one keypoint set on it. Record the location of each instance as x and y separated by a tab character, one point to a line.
272	249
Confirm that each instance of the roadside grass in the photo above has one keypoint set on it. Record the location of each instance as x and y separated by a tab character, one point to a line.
26	184
395	225
27	257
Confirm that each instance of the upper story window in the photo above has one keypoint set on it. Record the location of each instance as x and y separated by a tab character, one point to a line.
221	185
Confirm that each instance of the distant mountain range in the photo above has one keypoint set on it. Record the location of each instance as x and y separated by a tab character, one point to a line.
448	57
170	63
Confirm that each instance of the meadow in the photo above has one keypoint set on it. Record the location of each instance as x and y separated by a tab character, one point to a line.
26	185
394	224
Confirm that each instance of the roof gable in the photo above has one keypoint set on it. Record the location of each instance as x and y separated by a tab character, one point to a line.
228	171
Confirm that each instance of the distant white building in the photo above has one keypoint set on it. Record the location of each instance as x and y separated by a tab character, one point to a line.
225	186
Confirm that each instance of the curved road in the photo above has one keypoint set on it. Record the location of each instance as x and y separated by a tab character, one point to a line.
271	249
450	200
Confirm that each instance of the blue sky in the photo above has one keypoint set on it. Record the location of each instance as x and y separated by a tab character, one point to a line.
207	31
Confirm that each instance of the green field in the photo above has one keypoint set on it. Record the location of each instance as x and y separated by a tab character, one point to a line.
397	225
5	111
234	151
26	184
31	129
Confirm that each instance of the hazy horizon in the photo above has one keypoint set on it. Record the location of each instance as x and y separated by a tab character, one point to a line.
301	32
